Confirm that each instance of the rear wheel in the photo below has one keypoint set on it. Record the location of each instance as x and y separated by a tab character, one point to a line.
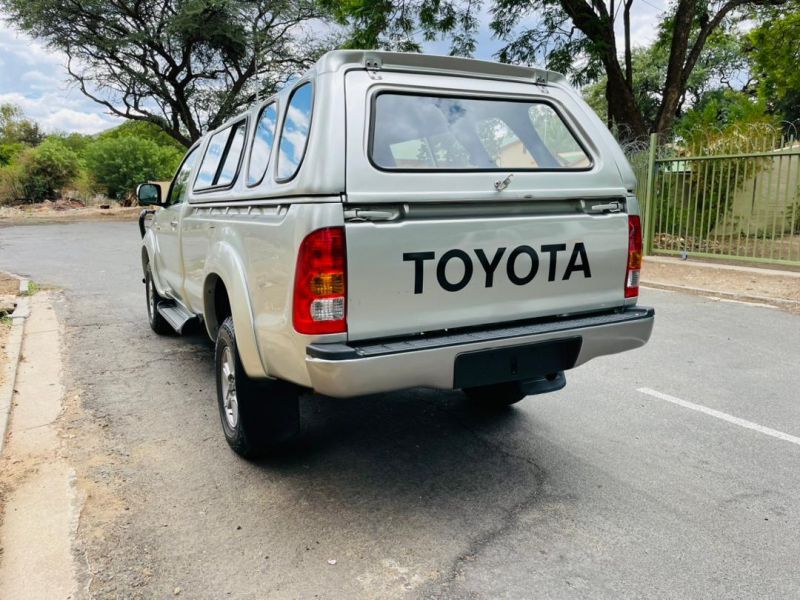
157	322
257	416
496	396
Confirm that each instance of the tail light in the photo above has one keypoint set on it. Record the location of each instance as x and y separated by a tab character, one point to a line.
320	283
634	256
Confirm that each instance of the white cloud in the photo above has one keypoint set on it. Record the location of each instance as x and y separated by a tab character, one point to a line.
38	81
69	120
35	78
62	111
26	50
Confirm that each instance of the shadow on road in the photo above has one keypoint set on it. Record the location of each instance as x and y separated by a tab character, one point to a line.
416	454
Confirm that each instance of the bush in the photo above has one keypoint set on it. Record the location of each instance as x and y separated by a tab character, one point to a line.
39	173
8	185
85	189
119	164
9	151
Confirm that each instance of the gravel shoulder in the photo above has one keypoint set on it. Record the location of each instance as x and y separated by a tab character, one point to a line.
750	284
49	212
9	287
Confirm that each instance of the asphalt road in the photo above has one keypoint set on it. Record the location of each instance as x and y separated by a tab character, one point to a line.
599	490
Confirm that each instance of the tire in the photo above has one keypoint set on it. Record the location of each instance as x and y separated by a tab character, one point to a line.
497	396
257	416
157	323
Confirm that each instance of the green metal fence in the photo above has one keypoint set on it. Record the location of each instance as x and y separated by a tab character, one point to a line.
732	194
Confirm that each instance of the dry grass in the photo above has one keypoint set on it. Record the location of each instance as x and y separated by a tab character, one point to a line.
8	285
64	210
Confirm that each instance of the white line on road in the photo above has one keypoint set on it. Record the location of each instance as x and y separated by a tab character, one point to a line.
723	416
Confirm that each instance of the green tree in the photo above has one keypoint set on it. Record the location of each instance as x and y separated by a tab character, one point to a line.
142	130
77	142
184	65
723	108
119	164
776	56
16	128
577	37
719	67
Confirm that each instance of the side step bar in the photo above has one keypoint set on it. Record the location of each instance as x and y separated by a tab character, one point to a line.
175	314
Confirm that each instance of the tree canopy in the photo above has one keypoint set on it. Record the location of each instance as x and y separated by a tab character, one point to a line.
16	128
184	65
721	67
576	37
776	57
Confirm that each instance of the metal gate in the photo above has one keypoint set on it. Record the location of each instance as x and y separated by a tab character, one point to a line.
733	195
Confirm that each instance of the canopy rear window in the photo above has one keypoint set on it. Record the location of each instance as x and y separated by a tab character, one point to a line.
412	132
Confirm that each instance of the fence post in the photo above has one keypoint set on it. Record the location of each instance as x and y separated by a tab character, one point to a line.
649	217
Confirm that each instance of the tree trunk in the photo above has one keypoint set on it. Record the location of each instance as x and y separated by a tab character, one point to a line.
626	17
622	107
674	85
599	28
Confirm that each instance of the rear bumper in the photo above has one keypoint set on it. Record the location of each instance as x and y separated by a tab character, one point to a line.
357	368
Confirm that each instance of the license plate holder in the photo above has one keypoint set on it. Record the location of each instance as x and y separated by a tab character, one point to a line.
515	363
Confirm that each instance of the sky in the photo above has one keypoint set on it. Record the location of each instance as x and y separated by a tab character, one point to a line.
35	78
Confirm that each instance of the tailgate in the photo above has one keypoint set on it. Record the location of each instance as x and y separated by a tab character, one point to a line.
413	275
473	202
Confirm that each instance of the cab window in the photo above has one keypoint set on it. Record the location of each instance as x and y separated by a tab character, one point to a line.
179	192
294	135
221	160
262	144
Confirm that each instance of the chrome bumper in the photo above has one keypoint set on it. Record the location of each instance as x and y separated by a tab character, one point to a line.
358	368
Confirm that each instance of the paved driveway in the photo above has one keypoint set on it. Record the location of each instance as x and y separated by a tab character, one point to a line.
686	489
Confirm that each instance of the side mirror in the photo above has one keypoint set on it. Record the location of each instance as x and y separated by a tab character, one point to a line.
148	194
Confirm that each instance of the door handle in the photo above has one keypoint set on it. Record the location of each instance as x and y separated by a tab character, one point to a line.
173	224
600	208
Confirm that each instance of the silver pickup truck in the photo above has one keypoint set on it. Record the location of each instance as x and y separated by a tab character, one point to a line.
396	220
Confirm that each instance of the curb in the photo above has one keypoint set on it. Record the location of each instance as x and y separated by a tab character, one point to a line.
13	351
765	271
754	299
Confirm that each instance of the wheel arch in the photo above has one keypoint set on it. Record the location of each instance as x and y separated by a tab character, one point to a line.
216	303
225	293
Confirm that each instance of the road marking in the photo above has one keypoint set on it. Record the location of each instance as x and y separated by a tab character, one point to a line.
723	416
